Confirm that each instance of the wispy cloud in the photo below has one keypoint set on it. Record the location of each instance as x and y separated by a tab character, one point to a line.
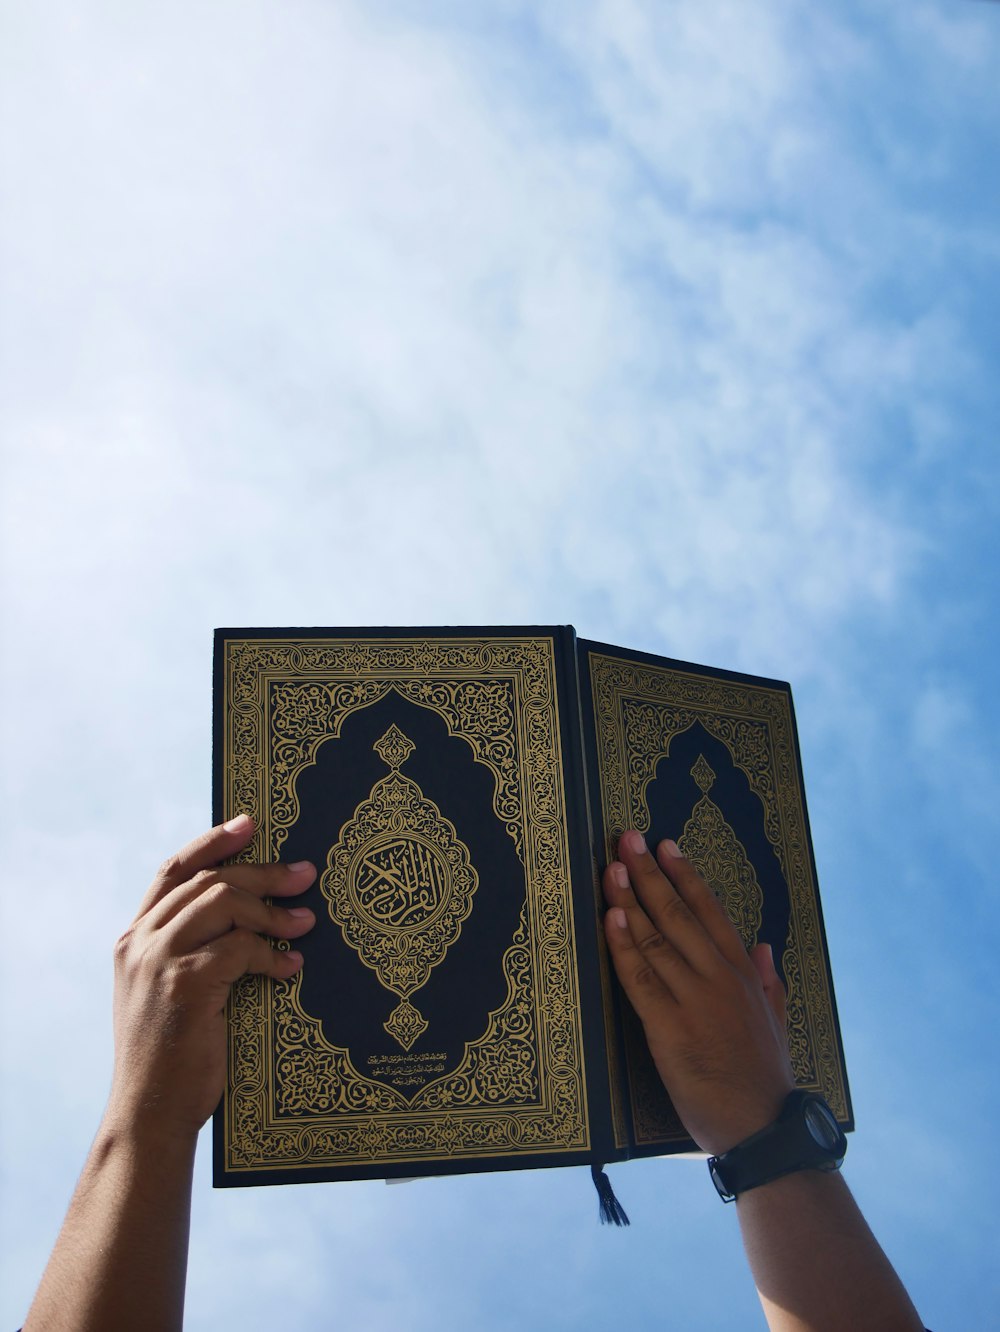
666	320
600	356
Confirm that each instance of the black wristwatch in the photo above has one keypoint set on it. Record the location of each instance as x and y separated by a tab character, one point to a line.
805	1136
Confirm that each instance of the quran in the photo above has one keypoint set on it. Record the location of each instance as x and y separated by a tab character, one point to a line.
460	791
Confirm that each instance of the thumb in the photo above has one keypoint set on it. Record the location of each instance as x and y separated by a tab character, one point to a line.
763	959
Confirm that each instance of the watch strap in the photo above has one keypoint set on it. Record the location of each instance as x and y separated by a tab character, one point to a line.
780	1148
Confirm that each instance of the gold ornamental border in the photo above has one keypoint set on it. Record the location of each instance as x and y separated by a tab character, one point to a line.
638	710
520	1088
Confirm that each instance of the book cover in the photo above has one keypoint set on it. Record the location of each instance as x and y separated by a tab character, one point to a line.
458	791
711	759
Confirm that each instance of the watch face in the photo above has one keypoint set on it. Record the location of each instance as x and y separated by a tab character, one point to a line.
821	1124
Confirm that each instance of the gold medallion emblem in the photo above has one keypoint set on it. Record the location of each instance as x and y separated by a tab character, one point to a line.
399	883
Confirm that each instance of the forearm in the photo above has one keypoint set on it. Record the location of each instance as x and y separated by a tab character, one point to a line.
121	1257
816	1264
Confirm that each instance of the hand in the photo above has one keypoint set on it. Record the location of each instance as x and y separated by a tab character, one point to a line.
198	931
714	1015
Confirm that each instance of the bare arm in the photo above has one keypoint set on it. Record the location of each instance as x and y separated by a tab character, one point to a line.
714	1017
814	1260
121	1257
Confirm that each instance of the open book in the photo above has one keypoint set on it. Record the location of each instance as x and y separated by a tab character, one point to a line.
459	791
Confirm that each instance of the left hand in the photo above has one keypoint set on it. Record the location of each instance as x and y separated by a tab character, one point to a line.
714	1015
198	930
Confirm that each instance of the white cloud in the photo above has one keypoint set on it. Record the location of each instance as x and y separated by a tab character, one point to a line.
316	315
328	269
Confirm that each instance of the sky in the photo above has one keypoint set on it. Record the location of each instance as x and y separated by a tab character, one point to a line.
675	320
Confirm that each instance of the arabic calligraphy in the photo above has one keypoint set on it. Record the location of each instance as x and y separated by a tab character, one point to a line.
401	882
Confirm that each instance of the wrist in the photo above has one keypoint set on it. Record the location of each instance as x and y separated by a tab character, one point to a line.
748	1122
804	1136
793	1190
139	1131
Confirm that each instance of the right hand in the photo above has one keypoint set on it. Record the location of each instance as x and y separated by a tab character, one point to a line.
199	929
713	1015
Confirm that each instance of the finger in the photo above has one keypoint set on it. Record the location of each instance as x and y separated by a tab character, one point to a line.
242	952
223	908
651	943
645	983
763	960
665	907
618	891
210	848
618	888
704	904
259	881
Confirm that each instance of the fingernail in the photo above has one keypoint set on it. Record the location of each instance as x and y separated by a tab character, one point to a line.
294	957
241	823
298	911
618	918
672	849
620	874
635	842
300	866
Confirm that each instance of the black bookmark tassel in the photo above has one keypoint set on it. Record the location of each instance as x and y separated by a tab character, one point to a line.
612	1212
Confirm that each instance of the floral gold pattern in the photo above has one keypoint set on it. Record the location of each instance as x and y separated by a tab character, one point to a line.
721	859
294	1100
639	709
405	1024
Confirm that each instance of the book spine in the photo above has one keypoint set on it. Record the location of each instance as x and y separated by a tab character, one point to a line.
610	994
218	725
608	1143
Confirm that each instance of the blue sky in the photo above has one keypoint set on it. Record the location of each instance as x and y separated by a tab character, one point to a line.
675	321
